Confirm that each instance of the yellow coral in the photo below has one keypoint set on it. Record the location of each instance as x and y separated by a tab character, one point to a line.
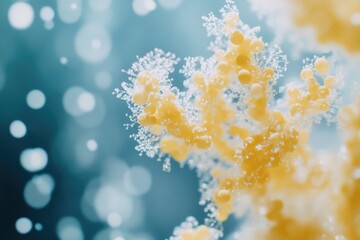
200	233
266	157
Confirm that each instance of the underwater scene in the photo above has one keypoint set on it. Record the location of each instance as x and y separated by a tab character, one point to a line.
180	120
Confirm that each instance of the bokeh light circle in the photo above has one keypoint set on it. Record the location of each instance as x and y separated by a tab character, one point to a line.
114	220
143	7
69	11
86	102
103	79
92	145
21	15
47	14
63	60
18	129
93	118
38	226
93	43
38	190
35	99
110	200
69	228
49	25
23	225
137	180
34	159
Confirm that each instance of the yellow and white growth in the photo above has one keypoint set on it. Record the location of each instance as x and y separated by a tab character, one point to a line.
248	142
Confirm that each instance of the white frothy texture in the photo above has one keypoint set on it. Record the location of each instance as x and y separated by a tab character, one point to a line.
69	11
93	43
21	15
38	190
18	129
69	228
33	159
47	14
143	7
23	225
35	99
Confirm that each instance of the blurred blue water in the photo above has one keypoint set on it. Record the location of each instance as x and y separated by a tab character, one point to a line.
31	59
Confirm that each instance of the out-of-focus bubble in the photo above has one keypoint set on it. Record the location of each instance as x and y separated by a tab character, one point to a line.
143	7
17	129
49	25
87	201
100	5
23	225
2	78
69	228
84	156
38	227
114	220
69	10
86	102
109	200
93	43
38	190
35	99
63	60
47	14
103	79
356	173
169	4
114	171
137	180
116	234
92	145
93	118
34	159
71	95
119	238
21	15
